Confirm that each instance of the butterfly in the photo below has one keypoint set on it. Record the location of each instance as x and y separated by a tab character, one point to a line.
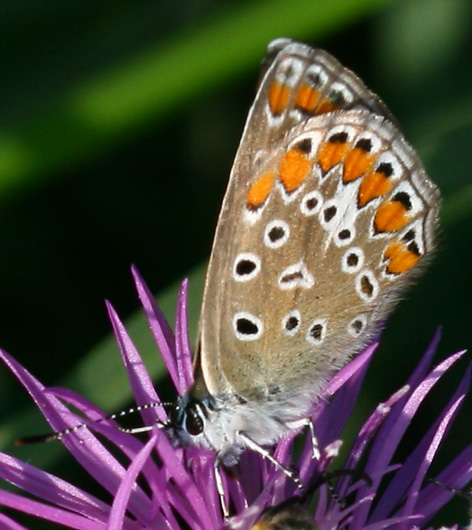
327	217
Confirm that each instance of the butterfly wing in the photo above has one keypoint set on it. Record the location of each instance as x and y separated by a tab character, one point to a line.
327	213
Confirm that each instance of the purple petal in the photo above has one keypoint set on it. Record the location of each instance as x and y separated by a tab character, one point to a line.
183	351
345	387
7	524
51	488
391	522
121	500
52	513
331	416
341	517
188	494
160	329
393	429
416	466
83	445
128	444
358	364
456	475
141	384
370	428
253	513
425	362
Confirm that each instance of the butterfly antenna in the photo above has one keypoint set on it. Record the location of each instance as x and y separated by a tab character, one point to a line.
326	478
459	493
57	435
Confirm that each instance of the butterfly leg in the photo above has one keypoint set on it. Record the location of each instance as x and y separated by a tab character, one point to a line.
315	445
251	444
220	488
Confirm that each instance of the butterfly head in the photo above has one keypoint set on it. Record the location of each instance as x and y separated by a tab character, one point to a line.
187	420
208	423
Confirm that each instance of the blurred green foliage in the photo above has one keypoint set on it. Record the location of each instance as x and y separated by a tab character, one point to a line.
119	121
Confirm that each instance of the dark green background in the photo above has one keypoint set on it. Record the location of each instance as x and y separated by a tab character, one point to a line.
118	124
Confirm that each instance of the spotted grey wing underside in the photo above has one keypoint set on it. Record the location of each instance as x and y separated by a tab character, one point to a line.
320	173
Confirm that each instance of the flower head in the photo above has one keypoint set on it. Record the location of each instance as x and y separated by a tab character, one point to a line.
161	486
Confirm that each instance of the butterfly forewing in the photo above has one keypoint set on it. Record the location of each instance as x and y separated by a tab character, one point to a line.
327	213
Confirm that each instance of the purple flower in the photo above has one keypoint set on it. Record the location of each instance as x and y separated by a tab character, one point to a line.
176	487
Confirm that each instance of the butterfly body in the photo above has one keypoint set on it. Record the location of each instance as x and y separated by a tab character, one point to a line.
327	217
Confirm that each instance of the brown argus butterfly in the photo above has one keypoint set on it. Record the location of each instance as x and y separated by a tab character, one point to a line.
327	216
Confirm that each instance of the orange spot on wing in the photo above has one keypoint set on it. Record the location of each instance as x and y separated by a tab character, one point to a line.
293	169
279	96
260	189
401	259
307	98
372	186
331	153
356	164
326	105
391	216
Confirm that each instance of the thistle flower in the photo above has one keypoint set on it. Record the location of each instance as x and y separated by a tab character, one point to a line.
162	486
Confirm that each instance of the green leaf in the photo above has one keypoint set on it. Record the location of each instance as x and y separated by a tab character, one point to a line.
97	112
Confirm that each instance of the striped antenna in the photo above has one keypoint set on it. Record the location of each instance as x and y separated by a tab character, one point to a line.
57	435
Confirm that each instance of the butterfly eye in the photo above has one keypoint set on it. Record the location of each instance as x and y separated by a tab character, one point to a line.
194	421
